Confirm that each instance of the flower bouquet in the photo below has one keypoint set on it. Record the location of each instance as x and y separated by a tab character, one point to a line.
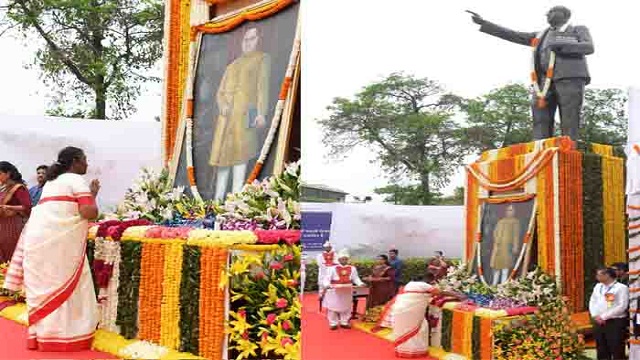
271	204
265	306
151	197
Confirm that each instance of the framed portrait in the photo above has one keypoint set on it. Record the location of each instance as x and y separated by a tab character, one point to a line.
506	238
236	87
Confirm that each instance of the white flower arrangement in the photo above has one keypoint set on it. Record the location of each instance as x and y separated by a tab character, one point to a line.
271	204
151	197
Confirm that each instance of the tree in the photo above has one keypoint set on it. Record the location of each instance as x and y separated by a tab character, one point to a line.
408	122
500	118
503	117
95	52
604	117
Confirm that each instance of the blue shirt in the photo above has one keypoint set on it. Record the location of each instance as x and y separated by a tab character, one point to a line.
35	193
397	267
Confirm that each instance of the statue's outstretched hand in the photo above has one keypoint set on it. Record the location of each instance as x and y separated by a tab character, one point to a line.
476	17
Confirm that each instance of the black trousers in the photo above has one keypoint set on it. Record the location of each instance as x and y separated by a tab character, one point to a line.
610	339
567	96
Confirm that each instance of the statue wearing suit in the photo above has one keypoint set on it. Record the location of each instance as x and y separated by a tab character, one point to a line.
558	54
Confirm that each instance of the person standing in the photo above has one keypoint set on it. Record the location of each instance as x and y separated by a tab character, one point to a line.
438	266
339	294
382	283
36	191
15	207
608	307
325	261
396	264
50	262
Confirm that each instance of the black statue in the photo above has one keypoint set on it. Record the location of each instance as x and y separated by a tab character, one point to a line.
559	51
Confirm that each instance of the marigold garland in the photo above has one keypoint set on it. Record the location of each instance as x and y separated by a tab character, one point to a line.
613	209
151	278
212	302
170	308
570	192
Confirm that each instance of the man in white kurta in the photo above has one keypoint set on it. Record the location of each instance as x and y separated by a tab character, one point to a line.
339	295
325	260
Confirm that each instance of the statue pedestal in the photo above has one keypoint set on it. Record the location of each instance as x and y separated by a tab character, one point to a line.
569	199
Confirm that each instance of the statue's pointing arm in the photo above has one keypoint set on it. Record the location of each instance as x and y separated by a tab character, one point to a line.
518	37
582	45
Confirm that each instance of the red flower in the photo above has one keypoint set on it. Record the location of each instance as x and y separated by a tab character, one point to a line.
282	303
271	318
245	335
286	325
260	275
292	283
288	257
276	266
242	314
265	336
286	341
291	237
267	236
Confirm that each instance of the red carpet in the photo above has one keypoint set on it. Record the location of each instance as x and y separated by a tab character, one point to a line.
320	343
14	346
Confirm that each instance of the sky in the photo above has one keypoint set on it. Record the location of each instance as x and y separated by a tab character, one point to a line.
349	44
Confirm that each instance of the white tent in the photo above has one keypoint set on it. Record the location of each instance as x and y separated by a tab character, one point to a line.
116	150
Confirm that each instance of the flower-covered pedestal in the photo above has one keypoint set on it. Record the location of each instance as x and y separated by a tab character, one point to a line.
524	318
570	202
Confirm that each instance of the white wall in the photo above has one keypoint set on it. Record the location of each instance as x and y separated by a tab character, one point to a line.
416	231
116	150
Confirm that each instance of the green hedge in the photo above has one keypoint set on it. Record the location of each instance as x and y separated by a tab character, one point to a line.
412	267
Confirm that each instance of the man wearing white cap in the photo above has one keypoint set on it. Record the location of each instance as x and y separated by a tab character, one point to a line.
339	297
325	261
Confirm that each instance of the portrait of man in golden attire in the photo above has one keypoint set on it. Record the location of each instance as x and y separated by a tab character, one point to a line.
503	230
243	107
238	77
506	242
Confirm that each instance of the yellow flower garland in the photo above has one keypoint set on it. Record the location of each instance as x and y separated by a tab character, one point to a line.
613	209
170	309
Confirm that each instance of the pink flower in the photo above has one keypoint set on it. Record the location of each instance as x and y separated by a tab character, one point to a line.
282	303
242	314
245	335
154	232
292	283
265	336
260	275
288	257
286	325
291	237
271	318
276	265
286	341
267	237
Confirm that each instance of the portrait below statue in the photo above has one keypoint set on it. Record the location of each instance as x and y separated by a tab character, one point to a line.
559	72
504	226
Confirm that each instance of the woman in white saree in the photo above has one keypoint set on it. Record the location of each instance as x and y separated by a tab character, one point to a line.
410	327
50	260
